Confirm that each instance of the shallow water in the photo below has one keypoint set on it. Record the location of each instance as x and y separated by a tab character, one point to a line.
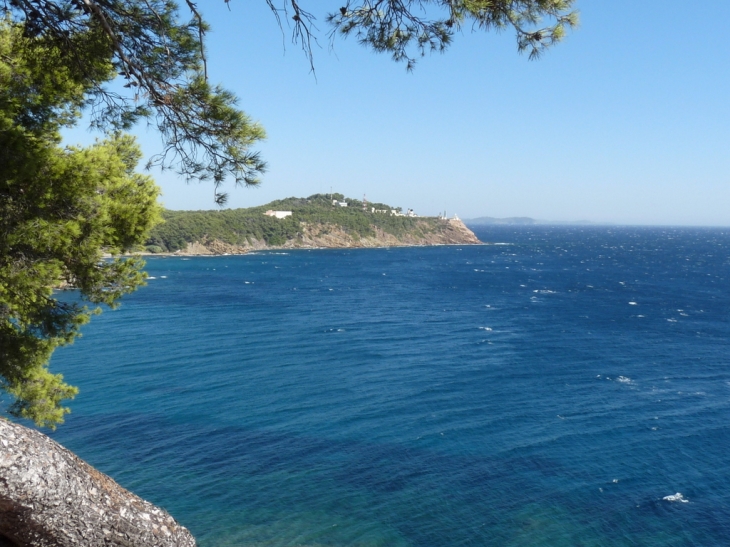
550	391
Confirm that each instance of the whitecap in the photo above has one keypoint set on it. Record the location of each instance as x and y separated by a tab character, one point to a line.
163	277
672	320
633	304
623	380
151	277
676	497
486	328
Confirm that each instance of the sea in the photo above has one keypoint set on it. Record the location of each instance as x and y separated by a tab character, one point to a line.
559	386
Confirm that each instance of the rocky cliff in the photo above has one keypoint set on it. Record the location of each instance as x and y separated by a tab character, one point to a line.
447	232
51	498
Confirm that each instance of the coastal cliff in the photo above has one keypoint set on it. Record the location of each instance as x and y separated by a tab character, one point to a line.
314	222
51	498
328	236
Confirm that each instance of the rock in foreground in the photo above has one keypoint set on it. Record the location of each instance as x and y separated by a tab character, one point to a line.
50	497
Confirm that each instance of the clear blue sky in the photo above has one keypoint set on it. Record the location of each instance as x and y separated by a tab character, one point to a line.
626	121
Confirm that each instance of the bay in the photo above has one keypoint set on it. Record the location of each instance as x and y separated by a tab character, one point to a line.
551	389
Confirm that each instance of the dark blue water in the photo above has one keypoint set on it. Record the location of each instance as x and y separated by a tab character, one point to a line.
548	391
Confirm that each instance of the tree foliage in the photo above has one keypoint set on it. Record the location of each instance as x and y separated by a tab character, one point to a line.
162	61
60	209
404	28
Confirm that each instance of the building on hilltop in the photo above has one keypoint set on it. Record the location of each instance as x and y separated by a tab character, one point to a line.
398	213
278	214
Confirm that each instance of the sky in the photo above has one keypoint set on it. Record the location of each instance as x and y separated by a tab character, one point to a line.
626	121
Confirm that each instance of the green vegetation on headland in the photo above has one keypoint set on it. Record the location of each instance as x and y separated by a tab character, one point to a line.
313	220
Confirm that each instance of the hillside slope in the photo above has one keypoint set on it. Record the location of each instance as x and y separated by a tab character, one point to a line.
314	222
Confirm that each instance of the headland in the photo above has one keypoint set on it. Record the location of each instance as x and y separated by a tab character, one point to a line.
319	221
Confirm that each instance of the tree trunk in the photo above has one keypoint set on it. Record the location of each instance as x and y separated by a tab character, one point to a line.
51	498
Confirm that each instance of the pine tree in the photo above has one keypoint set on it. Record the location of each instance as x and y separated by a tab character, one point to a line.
60	210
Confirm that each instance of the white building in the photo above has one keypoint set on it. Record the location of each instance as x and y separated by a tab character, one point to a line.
278	214
408	213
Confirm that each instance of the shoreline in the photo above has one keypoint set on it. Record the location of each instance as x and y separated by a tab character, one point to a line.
188	255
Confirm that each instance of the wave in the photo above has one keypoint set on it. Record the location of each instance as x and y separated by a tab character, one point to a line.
676	497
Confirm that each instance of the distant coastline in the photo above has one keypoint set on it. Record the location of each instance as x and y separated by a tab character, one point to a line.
527	221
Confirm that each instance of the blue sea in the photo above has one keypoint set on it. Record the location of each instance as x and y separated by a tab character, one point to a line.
551	389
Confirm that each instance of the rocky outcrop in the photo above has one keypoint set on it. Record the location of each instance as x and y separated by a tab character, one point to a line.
213	247
51	498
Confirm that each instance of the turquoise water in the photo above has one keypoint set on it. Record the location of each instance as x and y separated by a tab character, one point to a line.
550	391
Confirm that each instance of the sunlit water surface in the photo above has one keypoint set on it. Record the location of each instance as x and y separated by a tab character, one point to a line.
550	390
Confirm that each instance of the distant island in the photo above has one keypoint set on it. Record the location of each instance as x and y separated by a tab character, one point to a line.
522	221
489	221
319	221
